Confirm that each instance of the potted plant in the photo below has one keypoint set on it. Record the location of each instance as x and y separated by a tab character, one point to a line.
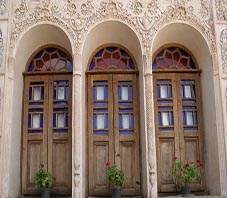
116	177
185	174
43	181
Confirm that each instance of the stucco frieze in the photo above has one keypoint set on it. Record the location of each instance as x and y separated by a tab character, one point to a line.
223	43
221	9
143	16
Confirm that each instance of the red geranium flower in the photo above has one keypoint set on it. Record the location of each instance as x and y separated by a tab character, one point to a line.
42	165
186	165
108	163
175	158
191	162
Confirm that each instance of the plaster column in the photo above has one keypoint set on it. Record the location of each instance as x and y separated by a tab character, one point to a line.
6	128
77	191
151	155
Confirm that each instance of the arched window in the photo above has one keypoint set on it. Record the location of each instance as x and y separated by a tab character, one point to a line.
47	118
178	113
111	58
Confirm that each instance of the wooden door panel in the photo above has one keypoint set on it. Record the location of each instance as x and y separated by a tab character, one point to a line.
60	167
34	159
191	150
127	153
101	151
166	152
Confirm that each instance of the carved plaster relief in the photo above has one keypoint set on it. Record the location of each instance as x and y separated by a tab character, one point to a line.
223	44
3	7
1	49
221	9
143	16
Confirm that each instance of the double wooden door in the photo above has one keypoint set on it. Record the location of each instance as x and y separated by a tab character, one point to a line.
178	119
113	131
47	131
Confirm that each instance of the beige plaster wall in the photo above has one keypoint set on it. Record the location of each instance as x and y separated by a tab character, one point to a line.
116	33
192	39
33	39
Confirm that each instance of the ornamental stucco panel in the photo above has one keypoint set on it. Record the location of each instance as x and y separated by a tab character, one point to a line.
223	43
221	9
3	38
3	8
143	16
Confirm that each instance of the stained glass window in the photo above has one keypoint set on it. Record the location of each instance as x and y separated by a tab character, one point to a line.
173	58
50	59
112	58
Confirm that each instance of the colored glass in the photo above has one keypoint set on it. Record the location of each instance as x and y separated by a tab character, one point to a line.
50	59
173	58
112	58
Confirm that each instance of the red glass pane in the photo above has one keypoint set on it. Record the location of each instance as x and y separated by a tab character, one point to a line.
46	57
162	63
183	62
176	57
116	55
106	55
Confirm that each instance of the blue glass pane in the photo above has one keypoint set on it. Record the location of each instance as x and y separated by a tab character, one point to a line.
120	121
111	49
101	132
41	121
61	102
99	53
94	121
123	53
60	130
107	123
159	119
35	110
54	120
69	65
131	64
166	129
35	131
126	132
92	65
39	54
55	93
67	119
42	93
30	93
29	120
31	66
106	93
67	93
35	103
51	49
62	53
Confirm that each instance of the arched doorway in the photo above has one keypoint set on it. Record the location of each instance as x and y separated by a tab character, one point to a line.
178	113
113	119
47	119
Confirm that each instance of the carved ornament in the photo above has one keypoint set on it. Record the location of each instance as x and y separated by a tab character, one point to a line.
145	17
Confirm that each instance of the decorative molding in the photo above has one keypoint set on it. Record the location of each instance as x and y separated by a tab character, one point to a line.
221	9
3	7
145	17
1	49
223	43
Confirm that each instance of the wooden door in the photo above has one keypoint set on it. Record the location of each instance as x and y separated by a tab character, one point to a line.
113	132
47	131
178	121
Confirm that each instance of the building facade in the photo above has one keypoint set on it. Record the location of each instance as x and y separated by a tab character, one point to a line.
133	82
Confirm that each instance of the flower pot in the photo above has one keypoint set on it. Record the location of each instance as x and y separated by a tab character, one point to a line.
45	192
185	190
116	192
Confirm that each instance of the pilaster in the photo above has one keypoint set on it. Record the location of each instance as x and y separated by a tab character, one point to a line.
77	191
150	129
